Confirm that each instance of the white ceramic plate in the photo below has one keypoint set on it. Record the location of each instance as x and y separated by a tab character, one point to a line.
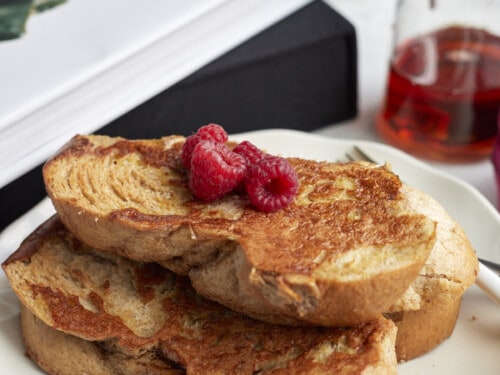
474	347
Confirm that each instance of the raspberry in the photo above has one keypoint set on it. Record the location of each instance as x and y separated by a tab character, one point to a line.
271	184
213	132
187	150
270	181
210	132
215	170
250	152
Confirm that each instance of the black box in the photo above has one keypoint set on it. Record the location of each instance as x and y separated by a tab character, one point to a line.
300	73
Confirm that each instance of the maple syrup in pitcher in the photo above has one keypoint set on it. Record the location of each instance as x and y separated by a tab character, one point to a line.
443	95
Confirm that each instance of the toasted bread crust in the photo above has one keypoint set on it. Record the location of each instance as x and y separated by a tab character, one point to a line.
59	353
343	252
427	313
422	330
114	309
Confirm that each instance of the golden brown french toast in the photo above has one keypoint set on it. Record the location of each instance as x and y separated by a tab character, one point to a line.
105	314
342	252
428	311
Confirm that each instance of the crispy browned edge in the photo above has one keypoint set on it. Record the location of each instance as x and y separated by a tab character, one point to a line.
59	353
449	271
420	331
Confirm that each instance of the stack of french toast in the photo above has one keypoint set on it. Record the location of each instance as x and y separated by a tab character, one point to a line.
136	275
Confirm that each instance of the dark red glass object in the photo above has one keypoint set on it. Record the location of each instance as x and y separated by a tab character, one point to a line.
443	95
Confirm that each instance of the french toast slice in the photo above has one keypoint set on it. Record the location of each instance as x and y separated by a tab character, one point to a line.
428	311
341	253
105	314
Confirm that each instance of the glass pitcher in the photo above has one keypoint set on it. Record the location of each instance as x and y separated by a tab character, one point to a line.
443	90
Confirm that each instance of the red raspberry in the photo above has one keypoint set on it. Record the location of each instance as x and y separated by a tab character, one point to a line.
271	184
250	152
210	132
213	132
215	170
187	150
